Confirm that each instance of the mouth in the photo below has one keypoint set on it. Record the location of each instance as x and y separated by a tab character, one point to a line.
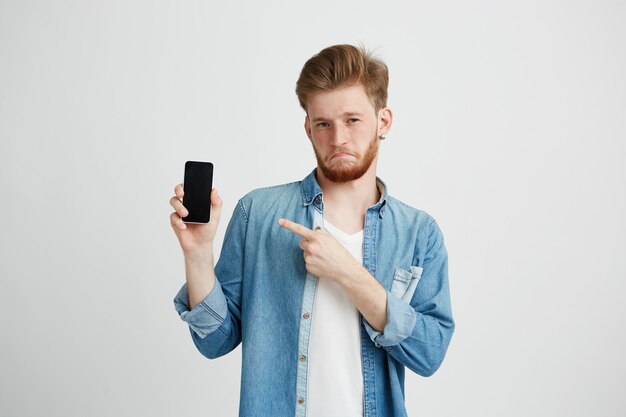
341	155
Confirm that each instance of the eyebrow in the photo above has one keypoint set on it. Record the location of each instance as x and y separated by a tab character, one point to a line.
346	114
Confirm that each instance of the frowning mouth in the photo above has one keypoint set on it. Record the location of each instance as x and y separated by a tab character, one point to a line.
341	155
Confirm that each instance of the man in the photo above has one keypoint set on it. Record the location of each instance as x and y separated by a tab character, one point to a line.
332	285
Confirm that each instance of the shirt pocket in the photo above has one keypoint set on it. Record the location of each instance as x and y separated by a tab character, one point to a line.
405	282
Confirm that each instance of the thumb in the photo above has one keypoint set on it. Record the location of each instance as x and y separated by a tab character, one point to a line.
216	205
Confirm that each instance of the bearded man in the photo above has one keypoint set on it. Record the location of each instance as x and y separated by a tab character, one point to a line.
332	286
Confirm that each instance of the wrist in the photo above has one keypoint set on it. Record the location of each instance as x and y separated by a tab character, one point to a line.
353	276
199	255
199	265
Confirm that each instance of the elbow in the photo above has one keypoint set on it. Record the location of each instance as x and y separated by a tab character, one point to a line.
426	363
204	347
428	369
433	358
211	348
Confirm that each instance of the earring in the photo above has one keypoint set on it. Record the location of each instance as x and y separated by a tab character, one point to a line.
382	137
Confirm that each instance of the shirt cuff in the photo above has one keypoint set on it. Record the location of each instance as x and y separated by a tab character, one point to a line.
401	319
205	317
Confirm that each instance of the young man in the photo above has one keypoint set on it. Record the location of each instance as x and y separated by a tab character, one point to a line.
332	285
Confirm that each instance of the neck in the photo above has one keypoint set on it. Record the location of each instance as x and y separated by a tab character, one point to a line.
352	196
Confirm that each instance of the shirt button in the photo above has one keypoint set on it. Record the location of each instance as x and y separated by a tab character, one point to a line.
300	400
306	315
302	358
318	201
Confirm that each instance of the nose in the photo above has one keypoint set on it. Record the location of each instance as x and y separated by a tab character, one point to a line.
340	135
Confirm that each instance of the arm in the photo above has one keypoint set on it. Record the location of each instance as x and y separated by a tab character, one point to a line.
325	257
367	295
418	331
215	321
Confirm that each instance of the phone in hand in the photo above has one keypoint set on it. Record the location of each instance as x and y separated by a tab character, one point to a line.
197	186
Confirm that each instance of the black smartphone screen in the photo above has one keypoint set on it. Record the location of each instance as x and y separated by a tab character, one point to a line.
197	186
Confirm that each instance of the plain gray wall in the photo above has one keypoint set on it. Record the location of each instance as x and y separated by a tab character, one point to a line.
510	129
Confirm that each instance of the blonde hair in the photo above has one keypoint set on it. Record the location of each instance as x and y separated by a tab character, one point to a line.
340	65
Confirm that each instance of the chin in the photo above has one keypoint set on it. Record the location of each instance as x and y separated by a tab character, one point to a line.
345	173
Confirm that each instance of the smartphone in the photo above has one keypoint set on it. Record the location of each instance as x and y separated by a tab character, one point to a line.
197	186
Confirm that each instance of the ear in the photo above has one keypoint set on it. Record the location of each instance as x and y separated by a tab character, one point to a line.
307	126
385	118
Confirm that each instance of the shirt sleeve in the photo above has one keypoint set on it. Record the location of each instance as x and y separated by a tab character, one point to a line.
208	315
419	329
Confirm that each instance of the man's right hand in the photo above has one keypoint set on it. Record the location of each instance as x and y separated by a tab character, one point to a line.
194	239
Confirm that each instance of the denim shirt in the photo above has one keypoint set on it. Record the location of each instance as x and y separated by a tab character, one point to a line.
264	298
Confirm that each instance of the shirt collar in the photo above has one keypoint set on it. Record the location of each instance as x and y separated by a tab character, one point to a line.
312	193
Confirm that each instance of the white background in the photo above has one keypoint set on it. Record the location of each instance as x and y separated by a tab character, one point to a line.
510	129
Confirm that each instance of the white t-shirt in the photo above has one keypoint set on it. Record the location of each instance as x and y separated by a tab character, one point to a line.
335	377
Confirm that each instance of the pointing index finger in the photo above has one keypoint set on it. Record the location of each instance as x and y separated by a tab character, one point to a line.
296	228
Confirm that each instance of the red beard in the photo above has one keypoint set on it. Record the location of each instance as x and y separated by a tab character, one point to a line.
348	171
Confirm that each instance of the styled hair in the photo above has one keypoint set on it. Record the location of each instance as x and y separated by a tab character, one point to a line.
341	65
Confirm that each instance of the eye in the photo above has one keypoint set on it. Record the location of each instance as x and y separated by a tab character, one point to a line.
322	124
353	120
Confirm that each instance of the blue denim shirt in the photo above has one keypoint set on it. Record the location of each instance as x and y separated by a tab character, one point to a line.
264	299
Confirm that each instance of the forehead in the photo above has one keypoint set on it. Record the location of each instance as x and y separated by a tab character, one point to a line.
334	103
